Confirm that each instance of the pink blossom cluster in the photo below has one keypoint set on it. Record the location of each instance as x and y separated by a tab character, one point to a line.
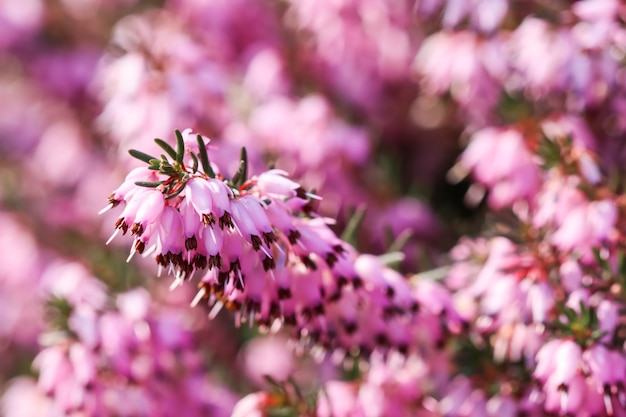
122	356
492	57
245	92
260	249
427	216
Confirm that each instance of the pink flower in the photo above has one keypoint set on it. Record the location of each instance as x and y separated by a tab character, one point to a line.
581	224
268	356
275	183
22	398
340	401
463	64
252	405
198	194
484	15
500	160
535	37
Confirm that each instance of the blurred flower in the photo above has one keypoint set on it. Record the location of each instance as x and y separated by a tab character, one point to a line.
500	160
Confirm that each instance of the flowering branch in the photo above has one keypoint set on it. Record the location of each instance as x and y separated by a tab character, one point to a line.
262	251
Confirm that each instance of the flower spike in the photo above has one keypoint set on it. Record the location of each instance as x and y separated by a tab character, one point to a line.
259	249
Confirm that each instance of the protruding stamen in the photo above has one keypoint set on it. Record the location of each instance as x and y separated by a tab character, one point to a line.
608	400
150	250
216	309
105	209
240	278
199	296
113	236
133	250
265	251
563	389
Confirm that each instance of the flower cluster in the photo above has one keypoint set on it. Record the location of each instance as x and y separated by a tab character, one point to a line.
261	250
125	358
467	257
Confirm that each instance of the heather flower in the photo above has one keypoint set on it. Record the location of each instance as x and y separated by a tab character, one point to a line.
583	227
359	46
266	75
232	29
322	137
470	73
580	63
22	398
581	382
340	401
510	299
74	283
162	66
394	387
262	252
532	37
252	405
513	177
119	360
574	222
525	323
484	15
268	356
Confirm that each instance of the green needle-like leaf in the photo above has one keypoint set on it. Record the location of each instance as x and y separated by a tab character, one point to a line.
166	147
195	162
175	193
155	164
272	382
391	259
598	334
241	176
204	158
350	232
148	184
180	147
296	388
141	155
400	241
602	262
586	315
561	326
570	313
